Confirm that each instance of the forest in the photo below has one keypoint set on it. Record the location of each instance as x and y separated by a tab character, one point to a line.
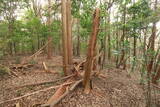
79	53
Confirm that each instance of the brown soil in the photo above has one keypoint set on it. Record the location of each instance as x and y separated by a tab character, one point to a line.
116	89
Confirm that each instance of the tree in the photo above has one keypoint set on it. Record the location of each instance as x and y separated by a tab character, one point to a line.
8	8
49	53
66	39
91	51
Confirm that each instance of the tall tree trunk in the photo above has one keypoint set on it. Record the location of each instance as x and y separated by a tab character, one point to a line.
151	58
109	36
33	48
117	47
15	49
91	51
144	41
134	44
49	51
104	43
38	41
49	55
151	47
122	41
10	33
66	39
104	52
157	71
78	40
69	32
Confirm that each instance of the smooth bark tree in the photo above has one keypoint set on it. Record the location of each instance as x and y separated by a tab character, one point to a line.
66	39
69	32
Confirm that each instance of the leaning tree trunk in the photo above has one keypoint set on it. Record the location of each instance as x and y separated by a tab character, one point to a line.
91	51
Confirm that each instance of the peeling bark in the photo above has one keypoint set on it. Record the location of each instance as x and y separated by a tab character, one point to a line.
91	51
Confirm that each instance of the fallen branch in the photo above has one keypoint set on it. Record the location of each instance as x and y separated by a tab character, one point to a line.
16	75
20	66
63	96
45	67
156	86
46	82
36	53
29	94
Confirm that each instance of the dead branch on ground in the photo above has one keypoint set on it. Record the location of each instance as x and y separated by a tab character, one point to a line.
36	92
46	82
68	91
45	67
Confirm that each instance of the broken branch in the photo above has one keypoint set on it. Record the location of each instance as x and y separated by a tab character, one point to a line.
29	94
46	82
45	67
64	95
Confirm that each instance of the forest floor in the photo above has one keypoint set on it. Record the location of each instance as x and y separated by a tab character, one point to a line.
114	89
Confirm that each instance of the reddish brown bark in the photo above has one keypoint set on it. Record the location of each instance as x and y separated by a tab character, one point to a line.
91	51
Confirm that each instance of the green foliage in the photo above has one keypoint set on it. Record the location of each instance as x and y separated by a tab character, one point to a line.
139	12
56	31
